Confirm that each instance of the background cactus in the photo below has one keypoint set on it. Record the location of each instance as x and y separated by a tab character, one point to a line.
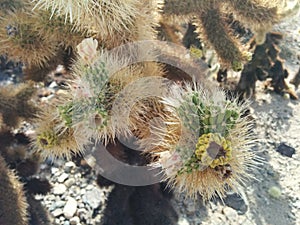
259	16
13	207
296	79
265	63
15	104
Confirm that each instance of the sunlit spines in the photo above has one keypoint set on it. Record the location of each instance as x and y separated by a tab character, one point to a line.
107	18
20	39
93	93
216	32
255	13
55	28
212	152
54	138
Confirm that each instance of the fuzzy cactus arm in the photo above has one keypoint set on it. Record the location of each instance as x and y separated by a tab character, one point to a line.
21	40
216	32
14	104
7	110
255	13
212	152
179	8
13	205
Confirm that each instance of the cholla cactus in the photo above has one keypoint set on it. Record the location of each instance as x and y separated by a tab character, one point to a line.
54	138
258	15
15	104
13	207
106	17
83	113
20	39
208	148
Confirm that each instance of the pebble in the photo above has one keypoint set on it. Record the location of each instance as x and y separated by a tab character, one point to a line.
297	204
191	209
75	220
93	197
217	221
69	166
274	192
53	85
70	208
286	150
59	189
82	191
54	170
89	187
60	204
83	214
57	212
183	221
236	202
62	177
230	213
69	182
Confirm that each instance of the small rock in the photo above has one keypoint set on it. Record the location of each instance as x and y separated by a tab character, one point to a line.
230	213
216	221
82	191
56	205
83	214
286	96
62	177
69	165
93	197
183	221
81	205
220	217
191	209
53	85
236	202
75	220
57	212
274	192
59	204
54	170
297	204
70	208
39	197
89	187
70	182
285	150
59	189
